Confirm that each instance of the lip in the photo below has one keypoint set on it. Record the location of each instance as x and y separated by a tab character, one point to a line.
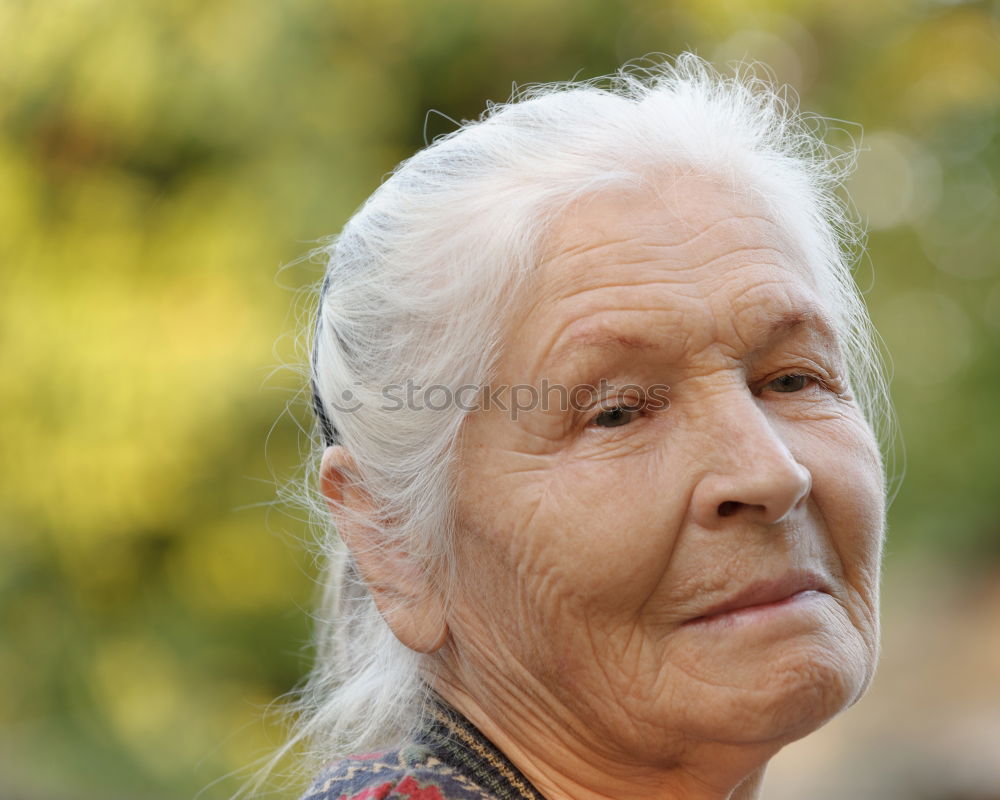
764	593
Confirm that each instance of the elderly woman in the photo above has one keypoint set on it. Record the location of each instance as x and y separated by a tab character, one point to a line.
597	392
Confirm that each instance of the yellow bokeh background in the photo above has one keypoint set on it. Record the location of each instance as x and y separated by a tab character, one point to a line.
164	167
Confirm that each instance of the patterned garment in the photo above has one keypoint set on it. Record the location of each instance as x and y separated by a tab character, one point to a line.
451	760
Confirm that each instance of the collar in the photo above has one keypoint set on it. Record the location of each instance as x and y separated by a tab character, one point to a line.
461	745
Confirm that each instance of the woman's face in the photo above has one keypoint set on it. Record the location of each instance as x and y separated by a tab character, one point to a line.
594	545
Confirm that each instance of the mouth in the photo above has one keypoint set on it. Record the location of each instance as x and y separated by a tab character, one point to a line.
787	590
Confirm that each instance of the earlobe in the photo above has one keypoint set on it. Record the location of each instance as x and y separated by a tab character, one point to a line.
333	475
422	629
403	590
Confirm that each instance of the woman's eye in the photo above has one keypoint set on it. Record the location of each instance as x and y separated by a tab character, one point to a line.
791	383
616	416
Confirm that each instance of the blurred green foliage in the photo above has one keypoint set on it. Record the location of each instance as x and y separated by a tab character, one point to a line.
161	161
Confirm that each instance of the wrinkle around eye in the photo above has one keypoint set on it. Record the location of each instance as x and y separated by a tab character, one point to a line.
825	408
824	373
599	444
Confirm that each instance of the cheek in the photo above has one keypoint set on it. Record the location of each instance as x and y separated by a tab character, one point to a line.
587	540
848	488
608	528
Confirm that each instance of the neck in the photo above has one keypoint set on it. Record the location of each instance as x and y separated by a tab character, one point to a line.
562	767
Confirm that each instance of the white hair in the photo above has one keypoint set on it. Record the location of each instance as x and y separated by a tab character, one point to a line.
422	278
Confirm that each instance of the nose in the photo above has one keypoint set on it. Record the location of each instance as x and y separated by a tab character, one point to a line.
750	473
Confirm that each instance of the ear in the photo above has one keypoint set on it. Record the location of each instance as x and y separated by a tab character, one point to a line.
403	590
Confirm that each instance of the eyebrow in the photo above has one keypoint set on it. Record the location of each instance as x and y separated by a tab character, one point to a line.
787	323
607	340
602	339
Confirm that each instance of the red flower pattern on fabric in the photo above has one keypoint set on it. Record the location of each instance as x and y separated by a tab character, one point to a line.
406	789
378	793
409	789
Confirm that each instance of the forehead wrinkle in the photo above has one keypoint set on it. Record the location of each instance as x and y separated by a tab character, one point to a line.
543	301
682	291
592	253
561	238
583	249
672	276
582	260
594	335
581	238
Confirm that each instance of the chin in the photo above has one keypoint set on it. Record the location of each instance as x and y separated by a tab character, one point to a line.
778	693
801	694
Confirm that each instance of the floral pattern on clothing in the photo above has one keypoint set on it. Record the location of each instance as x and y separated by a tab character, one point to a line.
449	760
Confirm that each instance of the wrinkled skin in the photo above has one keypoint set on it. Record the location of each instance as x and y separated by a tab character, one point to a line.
584	548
